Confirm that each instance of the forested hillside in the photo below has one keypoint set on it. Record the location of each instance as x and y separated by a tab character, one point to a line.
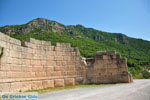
88	40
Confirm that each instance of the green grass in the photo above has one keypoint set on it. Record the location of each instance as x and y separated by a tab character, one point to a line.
40	91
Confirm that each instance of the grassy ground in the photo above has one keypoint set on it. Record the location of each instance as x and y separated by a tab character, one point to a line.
70	87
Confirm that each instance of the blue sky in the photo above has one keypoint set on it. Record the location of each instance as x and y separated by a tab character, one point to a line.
130	17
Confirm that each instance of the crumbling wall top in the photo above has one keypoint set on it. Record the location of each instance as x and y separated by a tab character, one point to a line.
106	52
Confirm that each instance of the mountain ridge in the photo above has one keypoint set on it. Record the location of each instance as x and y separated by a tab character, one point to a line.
9	29
88	40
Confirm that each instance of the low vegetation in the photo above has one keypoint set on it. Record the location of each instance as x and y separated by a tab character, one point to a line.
70	87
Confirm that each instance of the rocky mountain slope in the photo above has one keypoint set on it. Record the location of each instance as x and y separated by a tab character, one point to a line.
88	40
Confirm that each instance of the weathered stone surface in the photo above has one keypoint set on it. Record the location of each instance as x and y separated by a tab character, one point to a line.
48	84
69	81
5	87
35	64
59	82
105	68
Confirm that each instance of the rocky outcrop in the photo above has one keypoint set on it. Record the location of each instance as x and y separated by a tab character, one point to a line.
36	25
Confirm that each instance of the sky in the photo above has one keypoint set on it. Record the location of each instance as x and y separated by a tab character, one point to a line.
130	17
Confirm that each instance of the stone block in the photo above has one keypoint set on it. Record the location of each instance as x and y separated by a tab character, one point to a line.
40	74
5	87
15	42
45	49
16	48
57	48
105	57
68	45
3	44
26	62
14	74
38	42
2	74
52	48
69	81
5	67
111	52
51	63
15	87
36	63
101	53
43	62
59	58
39	47
26	86
26	44
50	58
58	68
49	68
58	63
4	37
59	83
31	40
118	56
123	60
15	54
14	67
58	53
26	69
58	44
36	85
46	43
57	73
48	83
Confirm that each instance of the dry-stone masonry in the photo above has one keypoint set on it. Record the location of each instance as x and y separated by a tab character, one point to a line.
107	67
36	64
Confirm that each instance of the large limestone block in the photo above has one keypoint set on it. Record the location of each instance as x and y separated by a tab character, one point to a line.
59	83
40	74
36	85
59	63
29	45
15	42
4	37
5	87
31	40
3	44
58	44
2	74
49	68
58	53
69	81
15	87
58	68
26	86
57	49
48	84
105	57
14	67
111	52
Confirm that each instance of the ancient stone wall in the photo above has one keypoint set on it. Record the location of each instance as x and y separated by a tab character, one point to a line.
36	64
107	67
